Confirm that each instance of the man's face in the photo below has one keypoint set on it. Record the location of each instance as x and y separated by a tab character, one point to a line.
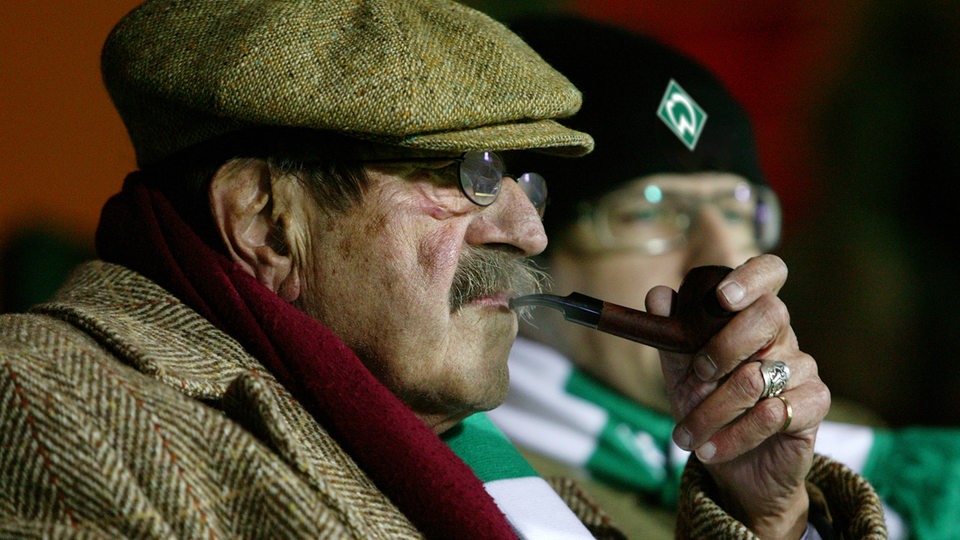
382	276
623	270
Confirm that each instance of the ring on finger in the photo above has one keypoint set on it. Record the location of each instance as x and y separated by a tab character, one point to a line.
786	423
776	375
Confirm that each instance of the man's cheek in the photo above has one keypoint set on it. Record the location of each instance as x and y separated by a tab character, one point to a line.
439	255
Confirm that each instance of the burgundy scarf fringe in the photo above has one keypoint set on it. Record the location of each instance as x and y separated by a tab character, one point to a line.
141	230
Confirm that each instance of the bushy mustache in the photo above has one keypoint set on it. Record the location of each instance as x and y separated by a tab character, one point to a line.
483	272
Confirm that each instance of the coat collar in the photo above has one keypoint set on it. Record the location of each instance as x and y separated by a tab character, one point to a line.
149	329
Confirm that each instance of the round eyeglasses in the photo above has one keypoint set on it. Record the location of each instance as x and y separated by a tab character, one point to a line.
657	220
481	174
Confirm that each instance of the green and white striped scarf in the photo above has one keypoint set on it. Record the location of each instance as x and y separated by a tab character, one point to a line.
559	412
532	507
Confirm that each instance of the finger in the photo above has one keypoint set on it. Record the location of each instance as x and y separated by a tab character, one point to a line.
685	392
660	299
752	333
764	274
735	397
690	393
805	406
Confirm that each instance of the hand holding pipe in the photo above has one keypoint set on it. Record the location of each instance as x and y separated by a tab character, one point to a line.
697	317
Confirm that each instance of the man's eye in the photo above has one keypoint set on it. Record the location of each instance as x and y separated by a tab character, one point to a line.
737	216
638	216
736	212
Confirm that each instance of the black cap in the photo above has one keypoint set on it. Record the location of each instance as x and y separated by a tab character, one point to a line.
624	77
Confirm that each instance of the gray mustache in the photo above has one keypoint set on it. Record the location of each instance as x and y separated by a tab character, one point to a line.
483	272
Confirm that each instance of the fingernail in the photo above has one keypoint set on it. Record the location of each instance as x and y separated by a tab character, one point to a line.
683	438
733	292
704	367
707	451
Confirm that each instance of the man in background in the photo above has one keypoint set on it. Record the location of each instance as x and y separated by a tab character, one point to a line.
673	184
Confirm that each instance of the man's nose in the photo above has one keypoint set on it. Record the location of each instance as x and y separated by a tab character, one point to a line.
511	220
712	240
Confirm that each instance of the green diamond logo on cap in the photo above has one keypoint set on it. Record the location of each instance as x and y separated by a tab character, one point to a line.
682	114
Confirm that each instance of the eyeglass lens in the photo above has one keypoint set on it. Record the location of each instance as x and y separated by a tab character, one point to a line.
481	175
535	186
658	220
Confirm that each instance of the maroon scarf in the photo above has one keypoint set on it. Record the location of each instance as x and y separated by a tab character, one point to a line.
140	229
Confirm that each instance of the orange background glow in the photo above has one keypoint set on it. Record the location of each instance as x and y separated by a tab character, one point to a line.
63	146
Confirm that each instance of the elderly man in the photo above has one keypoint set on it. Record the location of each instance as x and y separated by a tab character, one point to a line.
307	282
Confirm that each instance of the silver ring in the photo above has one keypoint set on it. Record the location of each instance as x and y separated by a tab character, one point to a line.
776	374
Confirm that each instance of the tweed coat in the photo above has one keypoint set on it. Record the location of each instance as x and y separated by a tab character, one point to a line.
124	413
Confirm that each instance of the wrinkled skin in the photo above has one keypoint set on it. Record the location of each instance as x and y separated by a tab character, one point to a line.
380	274
733	429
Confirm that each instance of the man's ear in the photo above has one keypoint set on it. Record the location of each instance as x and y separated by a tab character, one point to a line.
244	208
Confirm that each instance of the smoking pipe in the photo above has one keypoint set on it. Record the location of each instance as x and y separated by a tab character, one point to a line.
697	315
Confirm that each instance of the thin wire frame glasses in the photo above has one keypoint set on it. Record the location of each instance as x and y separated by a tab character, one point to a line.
481	174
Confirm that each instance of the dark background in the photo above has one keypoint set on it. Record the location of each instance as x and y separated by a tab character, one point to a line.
856	109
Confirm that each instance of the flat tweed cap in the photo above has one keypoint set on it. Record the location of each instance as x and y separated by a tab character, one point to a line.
422	74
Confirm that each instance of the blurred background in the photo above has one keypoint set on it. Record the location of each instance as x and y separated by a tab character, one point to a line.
856	106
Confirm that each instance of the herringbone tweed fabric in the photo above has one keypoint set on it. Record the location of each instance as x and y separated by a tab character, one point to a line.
854	506
586	509
125	414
